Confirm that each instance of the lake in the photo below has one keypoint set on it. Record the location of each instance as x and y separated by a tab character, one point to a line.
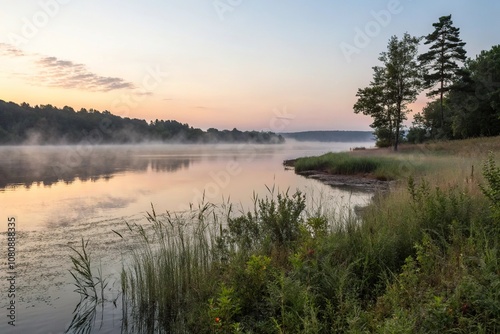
56	195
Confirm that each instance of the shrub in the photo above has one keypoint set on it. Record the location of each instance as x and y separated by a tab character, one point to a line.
492	189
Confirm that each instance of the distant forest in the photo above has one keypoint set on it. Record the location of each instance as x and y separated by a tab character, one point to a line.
331	136
46	124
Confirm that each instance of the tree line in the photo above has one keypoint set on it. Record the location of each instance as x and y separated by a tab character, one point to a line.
46	124
465	92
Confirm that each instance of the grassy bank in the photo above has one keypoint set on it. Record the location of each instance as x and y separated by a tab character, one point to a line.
441	161
379	167
422	258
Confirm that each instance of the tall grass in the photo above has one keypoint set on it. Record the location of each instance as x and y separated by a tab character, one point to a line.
168	274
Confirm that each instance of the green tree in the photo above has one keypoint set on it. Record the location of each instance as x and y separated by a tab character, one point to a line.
420	129
475	97
395	85
373	101
440	62
430	120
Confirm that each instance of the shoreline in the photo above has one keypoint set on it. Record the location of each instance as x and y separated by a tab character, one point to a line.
360	182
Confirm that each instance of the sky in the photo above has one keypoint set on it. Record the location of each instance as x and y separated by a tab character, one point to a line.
283	66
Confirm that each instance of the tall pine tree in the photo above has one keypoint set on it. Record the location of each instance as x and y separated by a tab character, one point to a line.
440	62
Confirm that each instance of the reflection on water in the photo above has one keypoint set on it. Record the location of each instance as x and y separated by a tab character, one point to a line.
84	316
47	165
60	194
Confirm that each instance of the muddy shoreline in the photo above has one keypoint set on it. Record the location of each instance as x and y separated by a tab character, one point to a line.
360	182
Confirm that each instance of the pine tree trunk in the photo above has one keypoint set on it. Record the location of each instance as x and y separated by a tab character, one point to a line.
442	109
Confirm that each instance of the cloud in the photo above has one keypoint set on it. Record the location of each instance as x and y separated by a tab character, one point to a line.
9	50
143	93
56	72
67	74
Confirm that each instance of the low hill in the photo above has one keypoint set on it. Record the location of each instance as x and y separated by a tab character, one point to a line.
331	136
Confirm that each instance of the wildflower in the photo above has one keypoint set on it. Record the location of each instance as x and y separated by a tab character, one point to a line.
217	320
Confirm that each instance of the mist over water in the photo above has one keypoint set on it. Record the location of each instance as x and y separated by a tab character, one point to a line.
60	194
46	186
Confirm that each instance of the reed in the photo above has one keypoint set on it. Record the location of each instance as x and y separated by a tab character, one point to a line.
168	273
90	287
87	284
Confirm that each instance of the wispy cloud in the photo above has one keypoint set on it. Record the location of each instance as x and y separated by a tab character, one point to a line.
55	72
9	50
143	93
67	74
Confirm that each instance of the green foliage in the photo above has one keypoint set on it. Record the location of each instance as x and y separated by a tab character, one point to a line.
481	289
256	269
435	121
450	283
373	102
492	189
244	232
338	163
281	218
445	290
276	224
224	310
400	323
440	61
436	210
293	306
470	107
476	98
395	85
318	225
468	96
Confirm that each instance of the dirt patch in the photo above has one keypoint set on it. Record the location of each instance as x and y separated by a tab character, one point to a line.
358	182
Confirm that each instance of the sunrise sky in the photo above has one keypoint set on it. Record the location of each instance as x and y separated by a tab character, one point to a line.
251	64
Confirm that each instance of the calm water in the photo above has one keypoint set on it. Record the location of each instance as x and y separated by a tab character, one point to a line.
63	193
